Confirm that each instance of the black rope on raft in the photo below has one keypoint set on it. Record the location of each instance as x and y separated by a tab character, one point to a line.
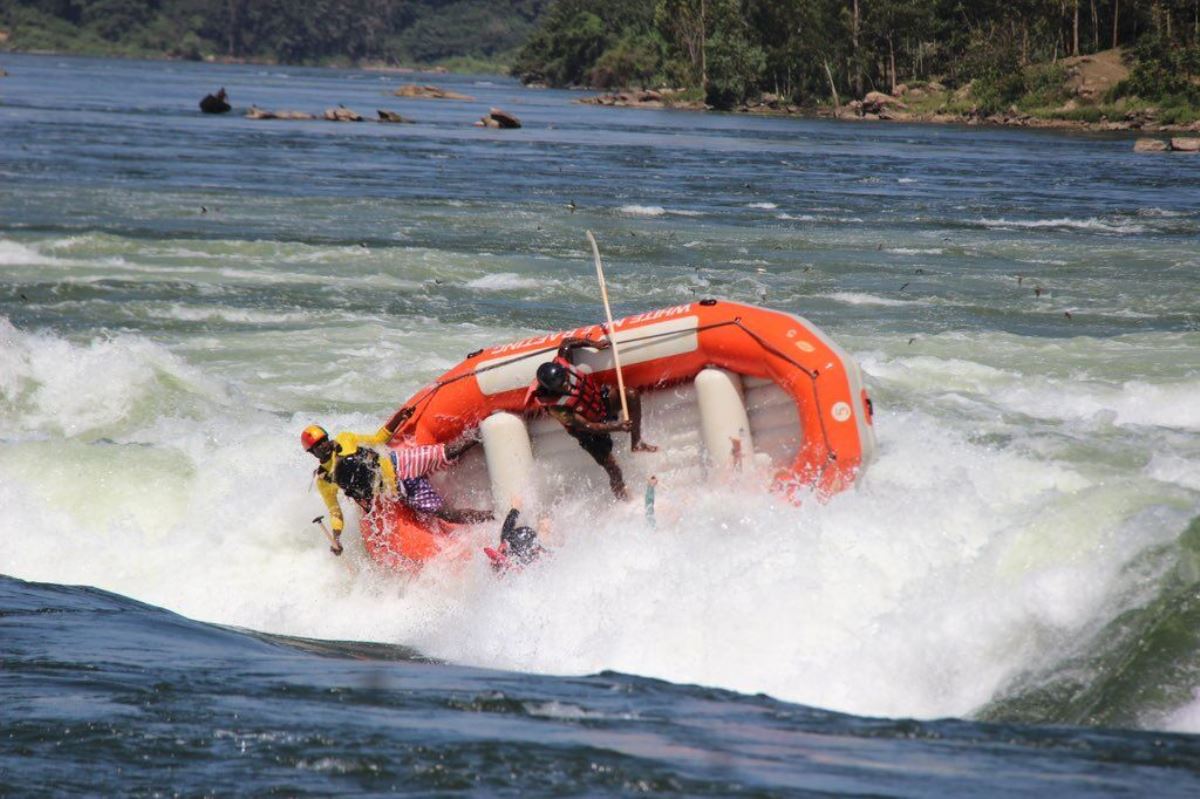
432	390
812	375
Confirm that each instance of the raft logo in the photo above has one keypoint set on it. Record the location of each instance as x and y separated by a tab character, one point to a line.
591	331
651	316
662	338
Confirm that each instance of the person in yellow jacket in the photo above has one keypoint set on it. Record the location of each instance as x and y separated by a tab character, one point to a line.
351	463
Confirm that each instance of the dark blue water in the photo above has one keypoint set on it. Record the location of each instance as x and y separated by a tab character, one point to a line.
105	696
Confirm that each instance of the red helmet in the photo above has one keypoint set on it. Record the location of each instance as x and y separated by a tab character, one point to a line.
312	435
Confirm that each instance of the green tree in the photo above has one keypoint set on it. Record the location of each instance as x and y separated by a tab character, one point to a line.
635	60
734	61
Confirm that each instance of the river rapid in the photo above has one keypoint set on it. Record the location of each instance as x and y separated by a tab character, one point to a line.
180	294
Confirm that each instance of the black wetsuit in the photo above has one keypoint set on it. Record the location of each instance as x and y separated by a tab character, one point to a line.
519	542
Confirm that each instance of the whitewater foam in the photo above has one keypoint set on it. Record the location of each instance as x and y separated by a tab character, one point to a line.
505	281
656	210
1119	227
886	600
915	250
861	298
14	254
50	385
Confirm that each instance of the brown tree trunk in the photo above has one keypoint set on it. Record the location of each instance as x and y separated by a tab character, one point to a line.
233	15
1095	28
1116	21
892	63
1075	31
854	40
837	104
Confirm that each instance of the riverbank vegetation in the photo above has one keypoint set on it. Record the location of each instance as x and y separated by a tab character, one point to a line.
1084	61
466	33
987	57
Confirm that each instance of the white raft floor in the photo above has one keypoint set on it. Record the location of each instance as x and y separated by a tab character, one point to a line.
672	419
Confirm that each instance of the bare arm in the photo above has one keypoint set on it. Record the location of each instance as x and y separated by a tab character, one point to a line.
569	345
576	422
461	444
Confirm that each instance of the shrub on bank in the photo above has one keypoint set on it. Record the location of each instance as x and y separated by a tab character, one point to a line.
1045	86
994	67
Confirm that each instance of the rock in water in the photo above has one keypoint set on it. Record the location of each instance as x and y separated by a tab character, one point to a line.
215	103
875	102
1150	146
261	113
1185	144
496	118
342	114
392	116
429	93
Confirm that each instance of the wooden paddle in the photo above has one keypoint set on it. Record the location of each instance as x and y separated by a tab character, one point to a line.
608	314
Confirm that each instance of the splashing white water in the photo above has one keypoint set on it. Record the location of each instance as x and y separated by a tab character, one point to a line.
920	593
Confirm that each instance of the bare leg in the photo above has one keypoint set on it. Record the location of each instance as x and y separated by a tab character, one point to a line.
635	417
616	481
464	515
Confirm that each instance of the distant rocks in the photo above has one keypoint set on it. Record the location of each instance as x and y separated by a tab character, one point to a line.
215	103
1151	146
1178	144
341	114
644	98
878	103
647	98
769	103
429	92
496	118
392	116
258	113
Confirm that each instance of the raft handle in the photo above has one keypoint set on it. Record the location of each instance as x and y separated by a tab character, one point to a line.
708	302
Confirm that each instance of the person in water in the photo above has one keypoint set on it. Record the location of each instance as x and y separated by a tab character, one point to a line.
518	545
351	463
588	410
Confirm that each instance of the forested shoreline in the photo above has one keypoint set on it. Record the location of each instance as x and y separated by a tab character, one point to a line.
985	58
485	33
814	52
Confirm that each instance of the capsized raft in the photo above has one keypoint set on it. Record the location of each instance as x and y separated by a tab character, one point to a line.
724	386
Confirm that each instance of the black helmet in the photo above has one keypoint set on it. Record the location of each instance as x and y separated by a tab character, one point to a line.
552	377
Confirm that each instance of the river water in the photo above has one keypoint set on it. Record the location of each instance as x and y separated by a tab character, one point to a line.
1006	603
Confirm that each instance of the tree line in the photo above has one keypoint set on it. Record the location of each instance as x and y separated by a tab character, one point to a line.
814	51
287	31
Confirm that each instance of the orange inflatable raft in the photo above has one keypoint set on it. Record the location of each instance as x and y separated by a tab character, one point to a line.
724	386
